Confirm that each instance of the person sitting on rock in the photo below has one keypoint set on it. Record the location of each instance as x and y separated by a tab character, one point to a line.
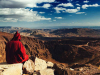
15	51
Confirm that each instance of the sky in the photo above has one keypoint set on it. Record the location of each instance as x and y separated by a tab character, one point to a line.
49	13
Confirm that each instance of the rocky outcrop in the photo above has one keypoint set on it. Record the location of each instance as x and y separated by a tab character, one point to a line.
41	67
40	64
28	66
45	68
11	69
86	69
69	51
74	51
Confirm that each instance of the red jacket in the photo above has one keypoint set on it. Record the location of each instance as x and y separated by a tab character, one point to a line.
15	51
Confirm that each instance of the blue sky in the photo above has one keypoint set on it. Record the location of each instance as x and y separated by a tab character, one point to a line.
49	13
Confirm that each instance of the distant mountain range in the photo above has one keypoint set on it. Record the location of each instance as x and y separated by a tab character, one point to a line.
84	31
65	32
77	32
5	27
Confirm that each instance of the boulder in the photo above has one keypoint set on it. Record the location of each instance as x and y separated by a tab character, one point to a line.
50	64
40	64
43	68
47	72
11	69
28	66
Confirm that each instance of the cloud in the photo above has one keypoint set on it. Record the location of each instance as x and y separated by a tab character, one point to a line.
58	17
86	1
59	9
78	8
46	6
8	20
19	14
94	5
78	4
71	10
14	10
66	5
80	12
21	3
41	12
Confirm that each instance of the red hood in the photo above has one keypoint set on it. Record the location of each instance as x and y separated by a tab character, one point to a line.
17	36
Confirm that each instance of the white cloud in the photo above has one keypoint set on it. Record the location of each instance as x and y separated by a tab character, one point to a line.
8	20
78	8
66	5
85	6
59	9
19	14
78	4
13	10
80	12
71	11
21	3
58	17
41	12
46	6
86	1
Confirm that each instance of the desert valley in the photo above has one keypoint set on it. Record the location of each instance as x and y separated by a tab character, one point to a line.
74	51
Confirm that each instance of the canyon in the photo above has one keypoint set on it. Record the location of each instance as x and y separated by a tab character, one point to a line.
70	55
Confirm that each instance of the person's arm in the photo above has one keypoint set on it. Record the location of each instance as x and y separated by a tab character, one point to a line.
24	55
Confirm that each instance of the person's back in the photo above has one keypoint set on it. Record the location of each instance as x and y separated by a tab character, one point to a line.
15	51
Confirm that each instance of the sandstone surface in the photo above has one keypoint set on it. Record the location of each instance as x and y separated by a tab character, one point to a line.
47	72
29	66
40	64
11	69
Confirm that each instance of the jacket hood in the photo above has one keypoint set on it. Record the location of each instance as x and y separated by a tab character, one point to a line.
17	36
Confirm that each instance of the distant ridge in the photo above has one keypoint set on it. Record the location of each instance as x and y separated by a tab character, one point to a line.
5	26
84	32
69	27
